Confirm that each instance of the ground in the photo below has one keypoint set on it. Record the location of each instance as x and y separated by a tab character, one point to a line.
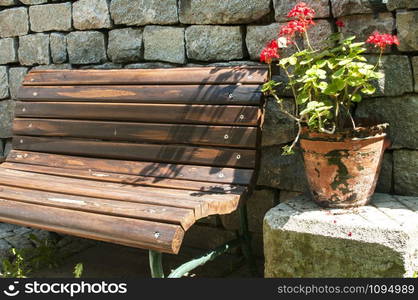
113	261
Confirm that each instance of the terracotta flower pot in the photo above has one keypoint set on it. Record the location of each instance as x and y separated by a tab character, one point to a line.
342	170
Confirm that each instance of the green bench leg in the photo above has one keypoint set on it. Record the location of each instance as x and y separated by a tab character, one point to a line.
156	264
246	241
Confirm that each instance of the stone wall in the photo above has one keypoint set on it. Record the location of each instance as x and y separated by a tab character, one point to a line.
170	33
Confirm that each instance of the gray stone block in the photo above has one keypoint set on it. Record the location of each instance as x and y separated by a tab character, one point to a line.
350	7
399	112
8	53
58	46
144	12
16	76
164	44
91	14
105	66
4	83
415	71
282	171
405	171
222	12
8	2
407	30
6	118
125	45
86	47
50	17
397	4
14	22
34	49
303	240
258	36
362	26
211	43
282	8
384	184
33	2
398	78
150	65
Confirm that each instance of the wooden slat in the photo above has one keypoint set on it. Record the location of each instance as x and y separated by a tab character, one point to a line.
203	203
130	179
171	94
244	137
126	231
205	75
157	170
166	214
155	113
221	157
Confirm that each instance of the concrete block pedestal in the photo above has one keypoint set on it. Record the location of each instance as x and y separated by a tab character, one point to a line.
379	240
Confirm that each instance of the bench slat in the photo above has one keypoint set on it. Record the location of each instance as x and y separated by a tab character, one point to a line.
158	170
244	137
205	75
130	179
126	231
222	157
171	94
148	195
154	113
184	217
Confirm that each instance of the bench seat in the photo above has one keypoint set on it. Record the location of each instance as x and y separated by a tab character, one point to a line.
133	157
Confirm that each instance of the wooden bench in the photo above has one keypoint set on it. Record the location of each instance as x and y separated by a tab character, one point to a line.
133	157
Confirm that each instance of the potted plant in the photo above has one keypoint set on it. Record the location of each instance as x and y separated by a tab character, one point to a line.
342	157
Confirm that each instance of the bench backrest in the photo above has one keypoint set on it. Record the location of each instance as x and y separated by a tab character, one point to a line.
170	119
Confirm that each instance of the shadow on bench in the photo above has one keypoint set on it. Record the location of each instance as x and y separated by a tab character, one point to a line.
134	157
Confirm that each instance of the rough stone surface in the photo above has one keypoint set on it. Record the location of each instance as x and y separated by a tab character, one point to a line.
415	71
384	184
405	165
302	240
34	2
288	195
91	14
282	8
86	47
209	43
8	53
396	4
277	127
407	30
164	44
206	237
319	33
257	206
281	171
143	12
6	117
222	12
50	17
4	83
14	22
258	36
150	65
16	76
34	49
350	7
362	26
53	66
398	78
58	46
7	2
105	66
125	45
400	113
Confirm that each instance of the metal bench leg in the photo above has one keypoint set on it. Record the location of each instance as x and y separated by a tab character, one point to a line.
156	264
246	237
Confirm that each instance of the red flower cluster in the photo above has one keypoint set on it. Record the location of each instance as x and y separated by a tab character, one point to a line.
294	26
270	52
339	23
382	40
301	11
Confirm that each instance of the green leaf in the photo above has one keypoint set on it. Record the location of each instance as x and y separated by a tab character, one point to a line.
302	97
368	89
78	270
356	98
338	73
293	60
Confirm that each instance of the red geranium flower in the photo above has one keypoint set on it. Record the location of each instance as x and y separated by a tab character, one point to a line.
339	23
301	11
270	52
382	40
295	26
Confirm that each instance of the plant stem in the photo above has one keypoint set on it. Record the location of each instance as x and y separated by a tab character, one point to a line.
293	91
307	40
